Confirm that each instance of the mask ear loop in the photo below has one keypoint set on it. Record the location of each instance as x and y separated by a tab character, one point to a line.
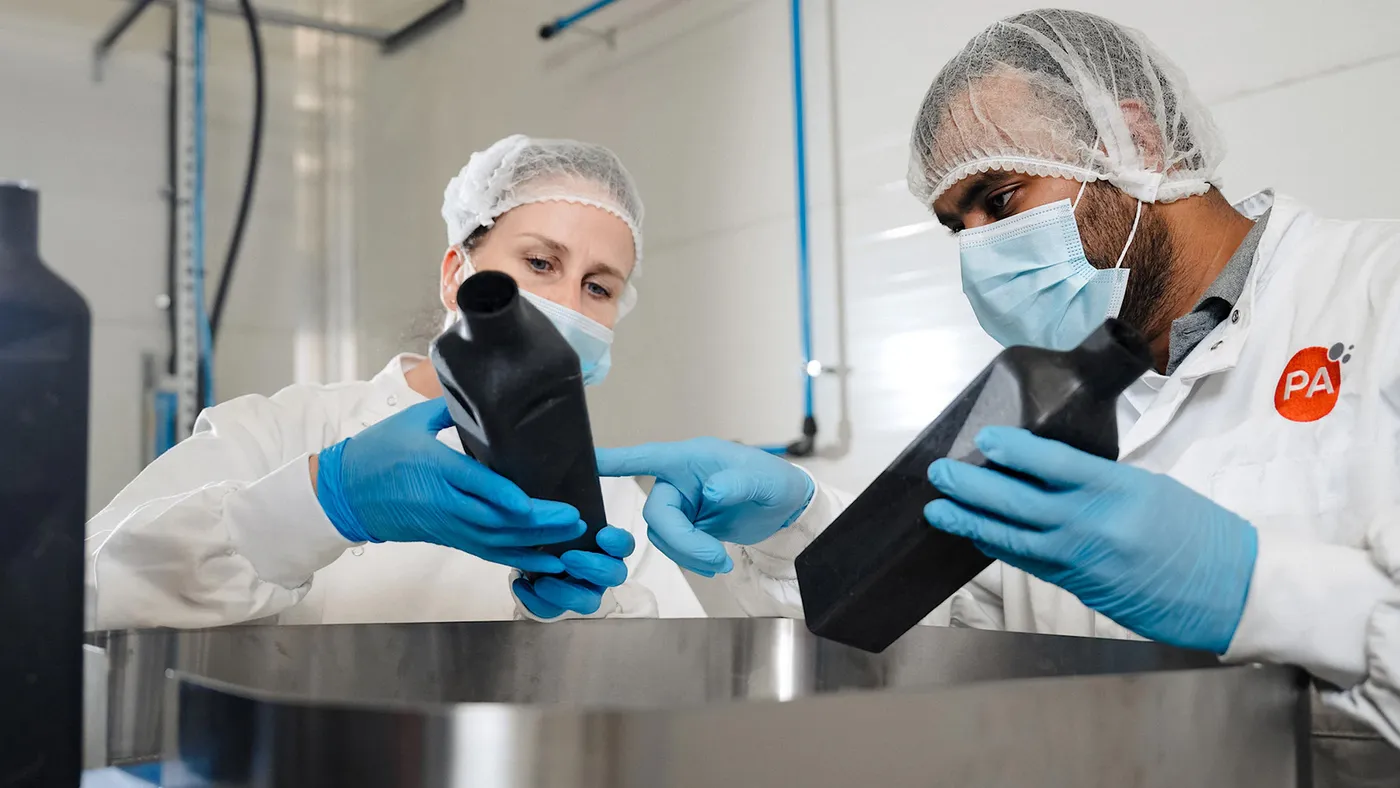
467	268
1074	206
1131	234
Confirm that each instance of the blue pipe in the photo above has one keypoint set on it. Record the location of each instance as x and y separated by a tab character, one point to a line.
167	414
552	29
805	445
804	262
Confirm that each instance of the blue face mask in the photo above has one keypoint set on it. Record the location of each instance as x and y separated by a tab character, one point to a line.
1030	284
591	340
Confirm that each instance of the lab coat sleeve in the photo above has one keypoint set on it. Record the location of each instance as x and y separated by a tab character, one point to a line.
764	580
1334	611
223	528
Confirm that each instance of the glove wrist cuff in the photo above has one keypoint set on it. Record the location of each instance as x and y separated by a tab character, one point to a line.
1239	549
332	498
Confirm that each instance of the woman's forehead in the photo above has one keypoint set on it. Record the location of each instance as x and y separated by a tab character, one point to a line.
570	228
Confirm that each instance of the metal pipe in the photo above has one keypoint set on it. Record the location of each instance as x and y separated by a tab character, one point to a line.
115	31
282	18
389	40
552	29
419	27
838	233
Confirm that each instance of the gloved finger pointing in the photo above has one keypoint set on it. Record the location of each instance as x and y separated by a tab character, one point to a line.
661	460
996	493
600	570
688	546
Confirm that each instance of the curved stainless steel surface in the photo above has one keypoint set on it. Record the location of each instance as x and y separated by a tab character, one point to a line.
615	663
646	703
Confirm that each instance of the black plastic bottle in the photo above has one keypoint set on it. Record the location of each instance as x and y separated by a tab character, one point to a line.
515	390
880	567
45	331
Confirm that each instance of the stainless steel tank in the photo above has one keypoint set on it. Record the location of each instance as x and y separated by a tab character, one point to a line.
691	703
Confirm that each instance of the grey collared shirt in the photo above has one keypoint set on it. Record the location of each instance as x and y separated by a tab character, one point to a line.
1217	301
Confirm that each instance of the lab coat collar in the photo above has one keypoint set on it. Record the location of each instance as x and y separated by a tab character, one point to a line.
391	390
1155	402
1221	349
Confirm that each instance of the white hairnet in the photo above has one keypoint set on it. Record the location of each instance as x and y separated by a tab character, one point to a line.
519	170
1064	93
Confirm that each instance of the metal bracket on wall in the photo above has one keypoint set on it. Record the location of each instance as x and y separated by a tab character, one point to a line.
551	29
390	40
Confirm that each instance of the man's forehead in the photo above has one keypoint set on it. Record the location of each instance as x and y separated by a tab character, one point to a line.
999	90
997	114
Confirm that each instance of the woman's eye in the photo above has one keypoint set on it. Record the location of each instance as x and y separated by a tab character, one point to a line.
538	264
999	202
598	291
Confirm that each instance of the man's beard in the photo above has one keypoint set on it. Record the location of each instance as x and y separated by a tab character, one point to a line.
1105	217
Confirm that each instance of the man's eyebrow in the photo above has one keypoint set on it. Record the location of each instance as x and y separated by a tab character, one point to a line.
981	184
985	182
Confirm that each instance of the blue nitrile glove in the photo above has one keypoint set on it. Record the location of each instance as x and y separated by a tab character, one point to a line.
394	482
588	575
1139	547
709	492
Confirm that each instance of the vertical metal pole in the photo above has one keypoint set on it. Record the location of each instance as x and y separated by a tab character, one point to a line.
325	348
340	151
189	296
838	232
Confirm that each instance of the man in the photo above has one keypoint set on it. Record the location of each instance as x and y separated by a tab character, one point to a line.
1255	509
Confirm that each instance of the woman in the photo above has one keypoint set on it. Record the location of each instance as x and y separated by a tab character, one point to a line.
344	503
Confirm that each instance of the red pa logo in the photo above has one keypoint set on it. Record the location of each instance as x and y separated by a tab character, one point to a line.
1310	383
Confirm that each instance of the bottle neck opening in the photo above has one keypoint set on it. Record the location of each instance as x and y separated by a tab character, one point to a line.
489	308
19	220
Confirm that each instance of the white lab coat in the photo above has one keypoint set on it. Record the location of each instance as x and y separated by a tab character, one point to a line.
1325	494
225	528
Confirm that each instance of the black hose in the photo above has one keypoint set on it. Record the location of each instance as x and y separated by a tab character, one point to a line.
250	180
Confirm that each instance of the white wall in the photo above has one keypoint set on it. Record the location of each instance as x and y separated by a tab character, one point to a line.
696	99
96	151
